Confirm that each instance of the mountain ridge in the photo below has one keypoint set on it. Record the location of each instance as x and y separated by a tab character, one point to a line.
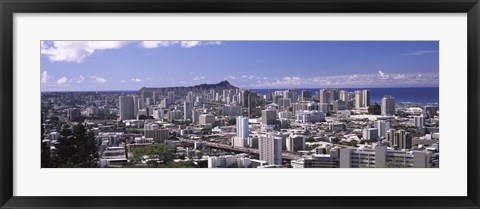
184	89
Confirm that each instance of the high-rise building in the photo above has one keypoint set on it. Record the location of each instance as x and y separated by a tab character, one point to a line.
366	98
370	133
187	110
419	121
126	107
205	119
359	99
195	116
388	105
252	105
383	127
73	114
307	95
293	95
270	149
295	143
269	116
399	139
242	127
174	115
158	114
362	99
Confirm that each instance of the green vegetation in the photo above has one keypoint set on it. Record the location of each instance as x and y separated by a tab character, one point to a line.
76	148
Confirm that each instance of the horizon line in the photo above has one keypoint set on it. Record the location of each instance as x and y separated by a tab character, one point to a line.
246	88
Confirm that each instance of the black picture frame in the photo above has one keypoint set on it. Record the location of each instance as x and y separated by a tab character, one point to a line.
10	7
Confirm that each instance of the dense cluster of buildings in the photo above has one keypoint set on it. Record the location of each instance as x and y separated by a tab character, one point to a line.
329	128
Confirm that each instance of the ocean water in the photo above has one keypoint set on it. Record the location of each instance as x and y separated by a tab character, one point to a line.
420	95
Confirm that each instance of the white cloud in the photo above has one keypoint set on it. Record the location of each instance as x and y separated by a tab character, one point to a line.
183	44
137	80
62	80
81	79
357	80
382	75
419	52
123	81
97	79
45	77
231	77
196	78
156	44
76	51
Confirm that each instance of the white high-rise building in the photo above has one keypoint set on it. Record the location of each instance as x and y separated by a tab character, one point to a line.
419	121
158	114
270	149
187	110
126	107
388	105
242	127
358	99
383	127
366	98
362	99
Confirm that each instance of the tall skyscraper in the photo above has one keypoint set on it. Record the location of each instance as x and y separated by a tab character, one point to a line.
187	110
323	96
242	127
126	106
270	149
358	99
366	98
388	105
383	127
362	99
252	104
293	95
399	139
306	95
269	116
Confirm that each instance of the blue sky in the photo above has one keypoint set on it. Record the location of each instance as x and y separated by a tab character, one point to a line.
130	65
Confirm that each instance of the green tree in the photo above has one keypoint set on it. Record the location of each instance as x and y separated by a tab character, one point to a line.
45	151
76	148
156	154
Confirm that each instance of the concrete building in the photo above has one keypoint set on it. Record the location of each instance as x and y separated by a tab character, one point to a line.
362	99
314	161
205	119
187	110
419	121
270	149
232	110
379	156
383	127
388	105
174	115
269	116
295	143
242	127
311	116
370	133
126	107
399	139
158	135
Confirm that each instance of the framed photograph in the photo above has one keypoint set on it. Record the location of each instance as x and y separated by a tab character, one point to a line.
162	104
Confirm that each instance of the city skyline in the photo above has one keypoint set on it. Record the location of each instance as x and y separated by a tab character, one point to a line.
131	65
